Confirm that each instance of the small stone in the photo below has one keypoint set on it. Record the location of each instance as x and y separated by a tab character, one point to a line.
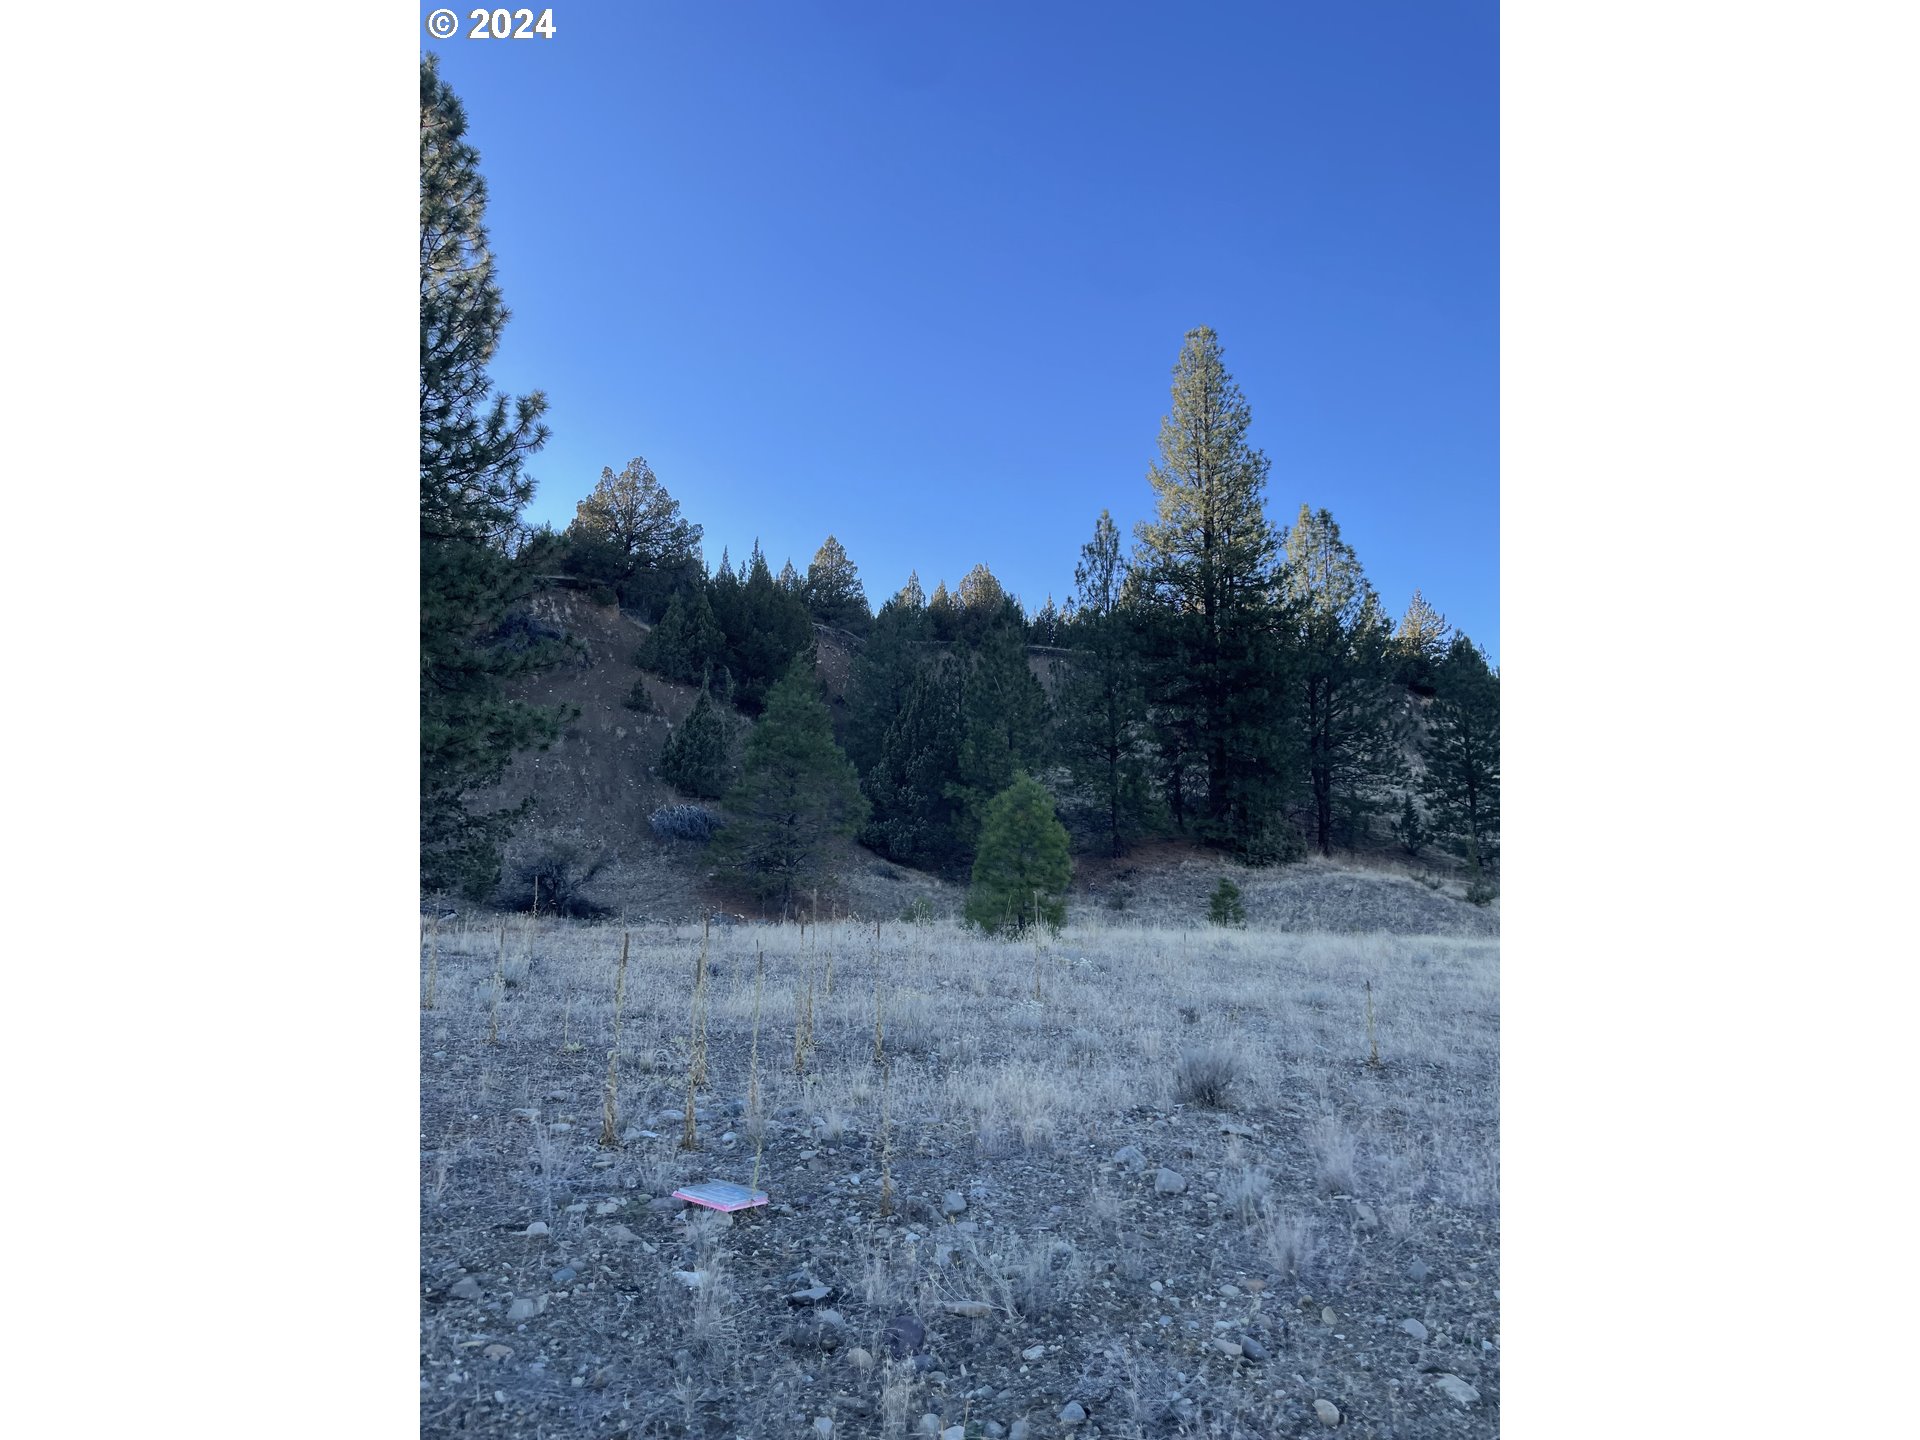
822	1426
565	1275
905	1336
1328	1412
813	1295
971	1309
1169	1182
618	1232
608	1207
579	1208
994	1430
1071	1413
861	1360
526	1309
1454	1388
1487	1345
1020	1430
465	1288
1229	1348
497	1352
831	1317
1328	1318
929	1424
1234	1127
954	1432
1033	1352
538	1227
1415	1329
528	1114
1252	1348
1253	1286
1418	1271
1364	1216
1130	1156
561	1127
953	1203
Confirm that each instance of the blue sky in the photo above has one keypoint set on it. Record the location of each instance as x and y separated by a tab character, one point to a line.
917	274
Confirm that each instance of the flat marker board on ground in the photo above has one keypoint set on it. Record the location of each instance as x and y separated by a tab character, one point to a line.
721	1195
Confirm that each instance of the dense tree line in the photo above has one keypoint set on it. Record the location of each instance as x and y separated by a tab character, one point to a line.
1223	680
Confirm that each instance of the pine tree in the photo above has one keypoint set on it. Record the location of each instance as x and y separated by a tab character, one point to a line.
1102	706
796	792
833	591
1005	717
1022	870
883	672
629	535
1419	644
473	487
1206	573
1341	667
1462	785
695	756
916	817
767	628
687	645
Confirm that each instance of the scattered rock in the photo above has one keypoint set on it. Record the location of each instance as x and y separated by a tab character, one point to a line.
465	1288
565	1275
1234	1127
1454	1388
929	1424
538	1227
813	1295
1230	1348
1415	1329
1020	1430
1365	1217
905	1336
971	1309
497	1352
1130	1156
1033	1352
1328	1412
1252	1348
1071	1413
1169	1182
1328	1318
953	1203
692	1279
831	1317
618	1232
954	1432
1418	1271
822	1426
526	1309
861	1360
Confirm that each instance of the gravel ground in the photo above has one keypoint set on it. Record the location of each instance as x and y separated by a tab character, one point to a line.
1169	1196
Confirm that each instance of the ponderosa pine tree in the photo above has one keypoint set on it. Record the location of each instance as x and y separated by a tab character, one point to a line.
473	486
796	792
695	755
629	535
767	628
1205	570
1341	667
916	818
1462	785
883	672
1102	710
1419	644
833	591
1023	867
1004	719
688	644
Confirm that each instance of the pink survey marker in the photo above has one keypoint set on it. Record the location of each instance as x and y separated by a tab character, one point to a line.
721	1195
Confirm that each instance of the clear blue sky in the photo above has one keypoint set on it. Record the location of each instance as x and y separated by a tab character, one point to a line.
916	274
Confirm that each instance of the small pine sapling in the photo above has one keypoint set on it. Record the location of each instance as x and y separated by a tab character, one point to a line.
1225	906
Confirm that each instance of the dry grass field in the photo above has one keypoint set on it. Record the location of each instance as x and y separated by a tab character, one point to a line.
1127	1181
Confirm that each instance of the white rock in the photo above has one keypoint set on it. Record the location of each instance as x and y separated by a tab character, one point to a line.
1415	1329
538	1227
1328	1412
1071	1413
1169	1182
1454	1388
822	1426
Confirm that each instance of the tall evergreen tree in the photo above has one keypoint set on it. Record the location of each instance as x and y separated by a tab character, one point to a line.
1462	784
916	816
833	592
883	672
629	534
1102	709
1341	667
688	644
795	793
473	487
1023	868
1419	644
695	756
1205	568
767	628
1005	715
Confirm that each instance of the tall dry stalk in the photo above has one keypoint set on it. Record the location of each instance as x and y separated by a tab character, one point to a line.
886	1143
433	964
1373	1046
879	1026
610	1108
754	1117
696	1048
499	988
